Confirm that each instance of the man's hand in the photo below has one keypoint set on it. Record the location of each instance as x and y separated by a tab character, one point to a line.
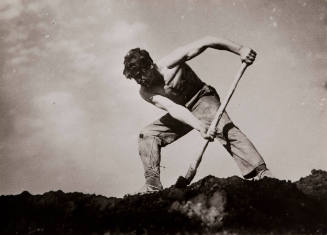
208	133
247	55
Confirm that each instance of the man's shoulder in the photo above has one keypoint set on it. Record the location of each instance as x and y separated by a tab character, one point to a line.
169	61
143	92
146	94
163	63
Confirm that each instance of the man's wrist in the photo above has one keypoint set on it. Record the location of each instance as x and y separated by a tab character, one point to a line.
239	49
200	127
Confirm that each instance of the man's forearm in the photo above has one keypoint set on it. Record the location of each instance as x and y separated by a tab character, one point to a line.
223	44
184	115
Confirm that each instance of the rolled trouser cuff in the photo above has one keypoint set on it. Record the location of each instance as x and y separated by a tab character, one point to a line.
253	173
152	188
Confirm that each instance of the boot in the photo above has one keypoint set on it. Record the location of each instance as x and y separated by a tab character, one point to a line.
261	172
264	173
149	189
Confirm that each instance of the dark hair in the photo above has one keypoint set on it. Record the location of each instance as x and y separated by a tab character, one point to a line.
136	60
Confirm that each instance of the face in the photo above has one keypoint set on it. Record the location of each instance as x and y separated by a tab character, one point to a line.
148	77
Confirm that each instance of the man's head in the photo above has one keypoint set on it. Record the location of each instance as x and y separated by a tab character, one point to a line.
139	66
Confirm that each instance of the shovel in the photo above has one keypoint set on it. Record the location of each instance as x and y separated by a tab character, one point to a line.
182	182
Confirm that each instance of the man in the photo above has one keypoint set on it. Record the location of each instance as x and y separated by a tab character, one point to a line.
173	86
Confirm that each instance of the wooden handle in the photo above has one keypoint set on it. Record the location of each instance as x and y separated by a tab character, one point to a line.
194	166
223	105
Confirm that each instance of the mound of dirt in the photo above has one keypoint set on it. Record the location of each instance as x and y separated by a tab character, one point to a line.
209	206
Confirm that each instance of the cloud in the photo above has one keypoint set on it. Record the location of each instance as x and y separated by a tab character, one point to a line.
60	112
123	32
37	6
16	35
10	9
64	124
19	60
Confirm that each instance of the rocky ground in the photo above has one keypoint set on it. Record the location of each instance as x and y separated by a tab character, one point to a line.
209	206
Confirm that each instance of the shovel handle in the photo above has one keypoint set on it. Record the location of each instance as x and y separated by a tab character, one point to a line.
194	166
223	105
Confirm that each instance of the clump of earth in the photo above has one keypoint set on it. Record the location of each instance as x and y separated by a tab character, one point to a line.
210	206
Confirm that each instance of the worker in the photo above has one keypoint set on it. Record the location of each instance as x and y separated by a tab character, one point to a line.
173	86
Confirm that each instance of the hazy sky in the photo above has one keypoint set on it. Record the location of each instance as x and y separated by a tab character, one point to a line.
70	120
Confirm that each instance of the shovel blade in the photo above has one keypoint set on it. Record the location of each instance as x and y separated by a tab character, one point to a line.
182	182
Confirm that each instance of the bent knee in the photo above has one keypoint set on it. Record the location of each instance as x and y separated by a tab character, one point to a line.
148	135
227	131
147	142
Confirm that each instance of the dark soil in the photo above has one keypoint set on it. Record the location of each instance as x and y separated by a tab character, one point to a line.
209	206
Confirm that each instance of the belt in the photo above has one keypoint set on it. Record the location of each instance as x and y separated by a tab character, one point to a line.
204	90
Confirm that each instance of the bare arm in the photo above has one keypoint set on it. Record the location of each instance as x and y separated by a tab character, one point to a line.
182	114
192	50
177	111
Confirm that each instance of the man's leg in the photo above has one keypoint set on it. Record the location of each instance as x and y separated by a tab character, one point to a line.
236	143
154	136
246	156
